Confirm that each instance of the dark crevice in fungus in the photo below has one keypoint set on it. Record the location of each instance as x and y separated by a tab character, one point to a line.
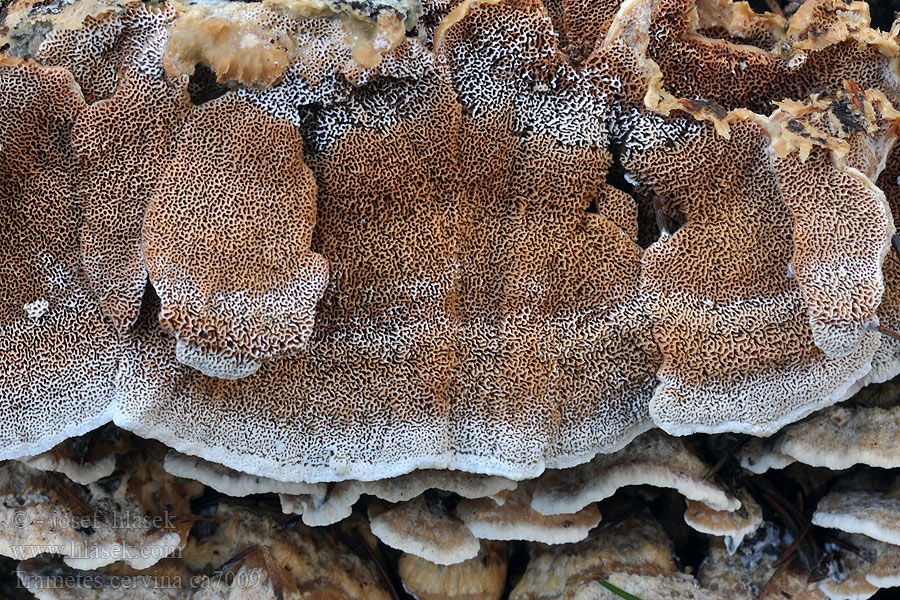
203	87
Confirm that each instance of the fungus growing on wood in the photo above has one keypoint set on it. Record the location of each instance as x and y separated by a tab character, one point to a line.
652	459
246	553
479	578
57	376
733	525
84	459
234	483
337	504
753	572
429	350
108	521
842	223
516	520
425	528
124	144
858	504
634	555
245	290
486	312
856	435
734	291
870	566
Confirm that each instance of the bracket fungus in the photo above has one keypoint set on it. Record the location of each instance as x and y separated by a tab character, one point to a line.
337	504
634	554
733	526
57	373
478	260
515	519
653	459
425	528
84	459
855	434
242	287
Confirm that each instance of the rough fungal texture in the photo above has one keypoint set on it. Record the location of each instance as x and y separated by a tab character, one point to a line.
406	252
226	240
477	316
59	354
653	459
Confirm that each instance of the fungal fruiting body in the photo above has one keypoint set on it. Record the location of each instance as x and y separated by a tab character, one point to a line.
332	250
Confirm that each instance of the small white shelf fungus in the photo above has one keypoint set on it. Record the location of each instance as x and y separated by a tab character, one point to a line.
761	454
234	483
868	512
856	435
875	566
516	520
425	528
653	459
733	526
337	504
77	472
84	459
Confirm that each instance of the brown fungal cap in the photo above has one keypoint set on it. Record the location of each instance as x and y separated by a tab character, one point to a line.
500	348
732	326
59	356
244	290
124	144
423	527
480	578
842	223
516	520
654	458
723	55
734	525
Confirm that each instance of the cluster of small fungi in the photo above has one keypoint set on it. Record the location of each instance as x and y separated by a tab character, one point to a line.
370	299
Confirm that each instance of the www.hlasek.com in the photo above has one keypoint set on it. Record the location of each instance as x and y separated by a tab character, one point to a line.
98	553
242	579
